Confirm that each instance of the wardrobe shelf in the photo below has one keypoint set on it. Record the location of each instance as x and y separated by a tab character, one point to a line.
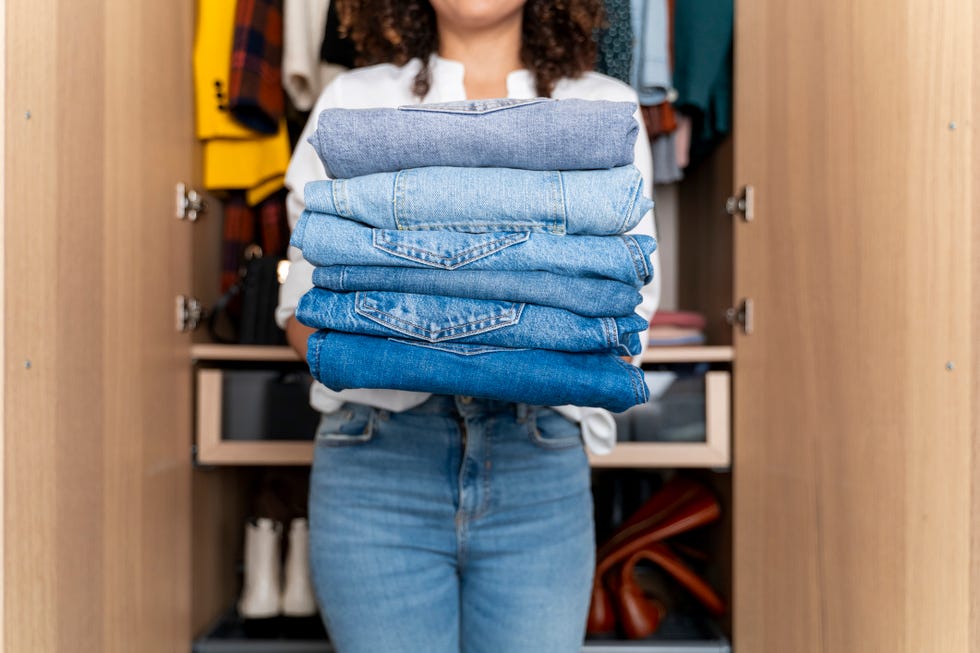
248	353
261	353
678	634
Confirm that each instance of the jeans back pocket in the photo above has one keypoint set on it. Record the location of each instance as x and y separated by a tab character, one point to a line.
434	318
445	250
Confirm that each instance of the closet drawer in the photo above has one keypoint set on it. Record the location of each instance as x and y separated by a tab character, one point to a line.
254	416
686	423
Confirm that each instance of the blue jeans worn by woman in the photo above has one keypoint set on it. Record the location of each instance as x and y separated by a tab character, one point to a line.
461	525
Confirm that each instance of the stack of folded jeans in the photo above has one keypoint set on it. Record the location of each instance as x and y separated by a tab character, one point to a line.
478	248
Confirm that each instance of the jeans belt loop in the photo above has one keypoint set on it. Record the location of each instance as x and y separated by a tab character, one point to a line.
523	412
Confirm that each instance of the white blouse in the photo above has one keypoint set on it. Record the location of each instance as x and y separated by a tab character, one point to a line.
387	85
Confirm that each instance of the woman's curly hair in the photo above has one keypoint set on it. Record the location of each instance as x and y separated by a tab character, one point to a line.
557	38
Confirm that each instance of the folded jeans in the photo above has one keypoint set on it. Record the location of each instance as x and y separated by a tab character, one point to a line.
533	376
330	240
585	296
533	134
433	319
592	202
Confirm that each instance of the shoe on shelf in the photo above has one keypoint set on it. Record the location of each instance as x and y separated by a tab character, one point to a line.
297	595
261	587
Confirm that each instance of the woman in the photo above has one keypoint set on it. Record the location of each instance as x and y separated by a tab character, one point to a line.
442	524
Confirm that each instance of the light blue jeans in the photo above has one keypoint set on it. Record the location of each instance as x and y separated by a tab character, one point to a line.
589	297
535	134
330	240
434	318
537	376
458	526
589	202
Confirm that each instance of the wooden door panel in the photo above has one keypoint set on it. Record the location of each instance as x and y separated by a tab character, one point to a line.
853	451
97	439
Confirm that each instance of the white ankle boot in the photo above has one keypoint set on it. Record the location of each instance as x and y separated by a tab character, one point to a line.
260	594
297	596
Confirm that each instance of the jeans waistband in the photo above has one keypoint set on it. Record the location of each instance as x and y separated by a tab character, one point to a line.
466	406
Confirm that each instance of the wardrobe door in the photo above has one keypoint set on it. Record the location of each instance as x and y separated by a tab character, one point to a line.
855	431
96	422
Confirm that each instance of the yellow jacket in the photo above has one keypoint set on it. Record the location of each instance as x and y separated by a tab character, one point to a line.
235	157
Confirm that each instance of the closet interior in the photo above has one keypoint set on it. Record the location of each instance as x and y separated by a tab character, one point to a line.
251	422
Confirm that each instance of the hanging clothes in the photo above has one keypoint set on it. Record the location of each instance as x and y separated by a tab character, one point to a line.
235	156
650	73
703	70
255	95
304	76
614	52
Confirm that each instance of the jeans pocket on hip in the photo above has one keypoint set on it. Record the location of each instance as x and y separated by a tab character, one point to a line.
351	424
549	429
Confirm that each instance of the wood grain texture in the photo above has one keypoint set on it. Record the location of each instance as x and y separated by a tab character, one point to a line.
3	217
97	427
972	126
220	508
853	449
705	232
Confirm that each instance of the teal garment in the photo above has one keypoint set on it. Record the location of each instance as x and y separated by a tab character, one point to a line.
703	69
614	54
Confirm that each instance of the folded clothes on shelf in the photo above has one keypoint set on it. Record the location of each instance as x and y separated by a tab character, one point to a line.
590	202
682	319
667	336
533	134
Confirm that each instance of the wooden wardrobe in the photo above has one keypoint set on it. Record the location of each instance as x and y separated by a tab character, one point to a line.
855	398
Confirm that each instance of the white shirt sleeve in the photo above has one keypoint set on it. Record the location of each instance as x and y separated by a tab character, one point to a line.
305	166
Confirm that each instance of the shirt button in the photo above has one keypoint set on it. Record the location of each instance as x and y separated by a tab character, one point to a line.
466	399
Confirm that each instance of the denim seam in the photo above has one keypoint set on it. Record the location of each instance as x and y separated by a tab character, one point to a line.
632	371
460	258
561	206
491	107
450	332
609	331
343	278
636	254
398	197
483	227
635	191
484	506
340	197
472	350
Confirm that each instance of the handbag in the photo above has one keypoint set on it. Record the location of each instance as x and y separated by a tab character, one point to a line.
258	288
681	505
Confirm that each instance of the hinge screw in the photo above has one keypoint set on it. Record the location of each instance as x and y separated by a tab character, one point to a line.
952	125
949	366
27	365
27	115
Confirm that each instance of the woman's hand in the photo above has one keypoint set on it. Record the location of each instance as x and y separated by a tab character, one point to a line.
297	334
